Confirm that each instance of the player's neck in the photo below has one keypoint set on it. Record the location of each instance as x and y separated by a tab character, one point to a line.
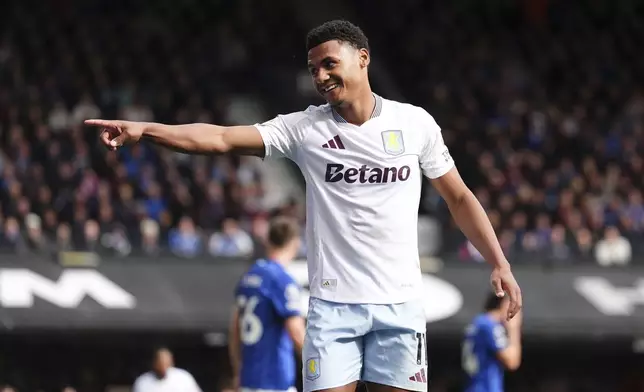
495	314
279	257
360	110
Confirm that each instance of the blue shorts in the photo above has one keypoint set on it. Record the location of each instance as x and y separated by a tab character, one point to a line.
383	344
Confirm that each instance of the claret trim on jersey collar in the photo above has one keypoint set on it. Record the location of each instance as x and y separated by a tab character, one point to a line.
376	111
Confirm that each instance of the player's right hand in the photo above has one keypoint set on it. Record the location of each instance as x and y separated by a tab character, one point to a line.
503	283
116	133
515	322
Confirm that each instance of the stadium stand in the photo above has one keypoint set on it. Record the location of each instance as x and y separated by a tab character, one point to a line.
550	104
60	190
549	101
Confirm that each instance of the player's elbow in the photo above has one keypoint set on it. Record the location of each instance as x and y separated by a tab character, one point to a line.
512	362
219	141
511	359
513	365
295	327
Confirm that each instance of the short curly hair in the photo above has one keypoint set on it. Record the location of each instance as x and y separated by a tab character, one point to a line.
340	30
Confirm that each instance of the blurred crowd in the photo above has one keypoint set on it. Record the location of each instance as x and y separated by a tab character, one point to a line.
550	104
549	101
60	190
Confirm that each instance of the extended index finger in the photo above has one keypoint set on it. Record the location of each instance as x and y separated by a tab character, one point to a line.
102	123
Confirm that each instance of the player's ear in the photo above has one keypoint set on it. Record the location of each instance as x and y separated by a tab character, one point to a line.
365	59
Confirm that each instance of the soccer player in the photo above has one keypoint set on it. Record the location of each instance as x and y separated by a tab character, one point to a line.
266	321
491	344
363	158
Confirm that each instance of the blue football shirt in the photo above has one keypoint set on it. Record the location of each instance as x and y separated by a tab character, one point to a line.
484	338
266	296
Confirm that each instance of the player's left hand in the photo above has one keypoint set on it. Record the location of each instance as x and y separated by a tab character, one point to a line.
503	283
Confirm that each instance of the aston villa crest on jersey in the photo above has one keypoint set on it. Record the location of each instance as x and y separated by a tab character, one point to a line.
393	143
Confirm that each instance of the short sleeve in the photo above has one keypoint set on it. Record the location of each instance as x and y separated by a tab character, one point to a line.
282	135
496	337
435	159
286	298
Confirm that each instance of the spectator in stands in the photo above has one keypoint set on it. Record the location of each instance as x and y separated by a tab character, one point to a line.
231	241
584	245
559	248
150	237
91	240
64	238
613	249
36	240
213	210
12	236
185	241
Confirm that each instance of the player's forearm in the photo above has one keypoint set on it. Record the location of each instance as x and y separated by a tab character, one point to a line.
194	138
471	218
295	326
234	344
234	355
515	345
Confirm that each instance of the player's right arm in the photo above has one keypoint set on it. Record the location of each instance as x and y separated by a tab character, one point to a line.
286	301
193	138
510	352
234	346
295	327
277	138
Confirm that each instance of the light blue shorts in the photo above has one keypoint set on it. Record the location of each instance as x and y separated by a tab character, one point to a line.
383	344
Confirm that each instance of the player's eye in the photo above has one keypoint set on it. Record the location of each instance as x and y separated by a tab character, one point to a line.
330	64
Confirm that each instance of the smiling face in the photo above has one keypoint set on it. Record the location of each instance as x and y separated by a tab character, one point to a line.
339	71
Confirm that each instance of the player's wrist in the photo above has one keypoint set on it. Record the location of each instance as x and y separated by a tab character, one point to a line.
502	265
148	128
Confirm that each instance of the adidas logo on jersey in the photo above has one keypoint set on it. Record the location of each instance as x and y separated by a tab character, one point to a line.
419	377
335	143
336	172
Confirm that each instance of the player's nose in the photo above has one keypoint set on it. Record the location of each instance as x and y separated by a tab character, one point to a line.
321	78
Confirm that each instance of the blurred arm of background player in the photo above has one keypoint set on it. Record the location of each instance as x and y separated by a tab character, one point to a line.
471	218
234	347
295	327
511	356
194	138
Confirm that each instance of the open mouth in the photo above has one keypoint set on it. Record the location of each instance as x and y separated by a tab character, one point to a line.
330	87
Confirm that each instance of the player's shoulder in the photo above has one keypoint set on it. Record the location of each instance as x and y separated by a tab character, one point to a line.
406	109
180	373
415	116
279	274
307	117
143	378
270	272
489	325
483	321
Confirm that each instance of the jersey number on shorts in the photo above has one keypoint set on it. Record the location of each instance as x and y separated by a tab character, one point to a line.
251	328
469	361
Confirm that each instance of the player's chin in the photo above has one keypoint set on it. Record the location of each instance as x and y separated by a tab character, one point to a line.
334	97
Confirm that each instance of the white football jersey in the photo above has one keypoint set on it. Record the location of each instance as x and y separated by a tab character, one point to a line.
363	192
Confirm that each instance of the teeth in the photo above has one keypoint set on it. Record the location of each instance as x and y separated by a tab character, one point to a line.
331	87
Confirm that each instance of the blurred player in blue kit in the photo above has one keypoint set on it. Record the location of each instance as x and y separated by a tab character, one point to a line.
491	344
267	325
